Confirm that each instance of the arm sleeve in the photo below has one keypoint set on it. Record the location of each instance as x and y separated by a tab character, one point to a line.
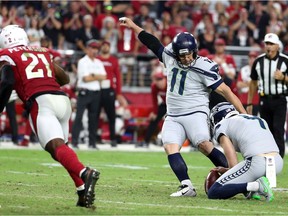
254	75
6	85
152	43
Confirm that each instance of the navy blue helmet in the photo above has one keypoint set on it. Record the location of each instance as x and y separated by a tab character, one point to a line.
222	111
184	43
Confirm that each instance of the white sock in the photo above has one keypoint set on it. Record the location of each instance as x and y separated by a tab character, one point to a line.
82	172
187	182
253	186
82	187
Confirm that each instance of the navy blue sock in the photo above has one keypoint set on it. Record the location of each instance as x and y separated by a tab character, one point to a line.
218	158
178	166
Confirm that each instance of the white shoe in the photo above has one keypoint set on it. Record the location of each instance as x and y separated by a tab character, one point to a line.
184	190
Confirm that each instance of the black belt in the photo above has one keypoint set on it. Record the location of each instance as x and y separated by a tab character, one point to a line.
273	96
88	90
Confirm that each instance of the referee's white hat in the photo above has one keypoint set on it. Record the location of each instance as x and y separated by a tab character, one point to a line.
272	38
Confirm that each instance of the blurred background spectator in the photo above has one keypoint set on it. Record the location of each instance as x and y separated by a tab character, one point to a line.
227	69
34	32
50	22
243	80
86	33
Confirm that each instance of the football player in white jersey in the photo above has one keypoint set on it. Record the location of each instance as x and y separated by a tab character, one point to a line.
190	79
249	135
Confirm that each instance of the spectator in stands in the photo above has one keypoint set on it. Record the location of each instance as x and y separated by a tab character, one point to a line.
91	7
242	30
165	24
50	22
109	32
143	15
222	28
243	80
119	8
275	23
34	32
110	88
29	14
176	26
207	37
86	32
90	71
201	16
107	12
72	22
260	18
184	13
219	8
166	39
126	46
200	27
233	11
9	16
158	90
227	70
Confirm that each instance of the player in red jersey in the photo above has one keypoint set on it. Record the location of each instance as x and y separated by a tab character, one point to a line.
56	57
37	80
111	88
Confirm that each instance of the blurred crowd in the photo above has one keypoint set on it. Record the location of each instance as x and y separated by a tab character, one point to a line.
67	26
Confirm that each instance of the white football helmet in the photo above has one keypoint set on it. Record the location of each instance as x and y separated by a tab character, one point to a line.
13	35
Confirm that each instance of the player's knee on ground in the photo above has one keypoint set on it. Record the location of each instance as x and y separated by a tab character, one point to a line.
215	191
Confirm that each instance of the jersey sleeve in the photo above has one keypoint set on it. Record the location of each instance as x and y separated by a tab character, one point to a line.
254	75
7	59
210	72
220	130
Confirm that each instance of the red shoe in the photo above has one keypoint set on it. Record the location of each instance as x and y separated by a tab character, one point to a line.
25	143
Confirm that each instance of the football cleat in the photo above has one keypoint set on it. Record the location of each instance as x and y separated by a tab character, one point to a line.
81	198
90	177
252	195
265	189
184	190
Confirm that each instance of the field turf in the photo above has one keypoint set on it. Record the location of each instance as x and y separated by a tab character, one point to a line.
131	183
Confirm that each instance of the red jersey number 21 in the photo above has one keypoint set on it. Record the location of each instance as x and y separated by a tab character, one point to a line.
39	73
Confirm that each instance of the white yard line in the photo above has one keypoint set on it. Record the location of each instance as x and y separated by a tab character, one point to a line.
123	204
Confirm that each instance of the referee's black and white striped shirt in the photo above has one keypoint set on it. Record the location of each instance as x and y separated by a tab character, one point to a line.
263	70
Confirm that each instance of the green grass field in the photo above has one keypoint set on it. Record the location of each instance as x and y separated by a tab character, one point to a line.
131	183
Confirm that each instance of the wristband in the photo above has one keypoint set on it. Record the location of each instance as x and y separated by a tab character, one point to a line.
250	104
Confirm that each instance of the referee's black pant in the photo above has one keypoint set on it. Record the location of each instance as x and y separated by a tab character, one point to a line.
273	109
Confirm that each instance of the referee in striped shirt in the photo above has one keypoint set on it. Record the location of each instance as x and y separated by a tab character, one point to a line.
269	74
